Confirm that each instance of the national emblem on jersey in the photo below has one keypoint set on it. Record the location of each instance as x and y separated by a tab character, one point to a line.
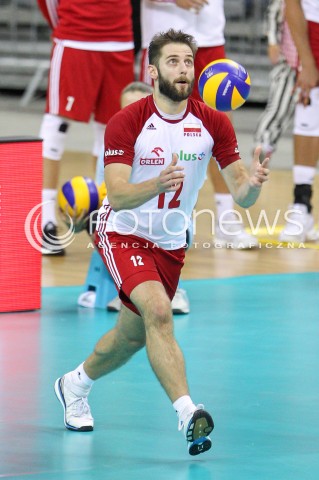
192	130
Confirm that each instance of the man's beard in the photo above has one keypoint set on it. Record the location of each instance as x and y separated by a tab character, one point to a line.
170	90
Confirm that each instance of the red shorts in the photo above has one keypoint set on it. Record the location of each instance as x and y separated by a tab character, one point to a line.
204	56
132	260
85	82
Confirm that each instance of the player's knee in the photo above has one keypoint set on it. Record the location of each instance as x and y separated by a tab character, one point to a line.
53	133
159	313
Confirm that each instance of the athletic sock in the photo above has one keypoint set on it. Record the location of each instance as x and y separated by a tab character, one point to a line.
183	407
80	377
303	174
224	202
48	206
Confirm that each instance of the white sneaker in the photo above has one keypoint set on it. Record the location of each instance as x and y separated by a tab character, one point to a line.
197	426
180	302
87	299
114	305
234	235
73	398
300	226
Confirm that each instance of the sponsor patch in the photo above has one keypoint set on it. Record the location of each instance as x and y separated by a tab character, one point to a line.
110	153
152	161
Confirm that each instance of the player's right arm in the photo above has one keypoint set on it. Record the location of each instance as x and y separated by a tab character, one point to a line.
123	195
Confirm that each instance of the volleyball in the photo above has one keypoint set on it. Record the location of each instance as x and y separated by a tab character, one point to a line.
78	195
102	192
224	85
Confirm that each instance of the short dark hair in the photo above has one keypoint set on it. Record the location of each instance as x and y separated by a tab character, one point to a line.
137	87
164	38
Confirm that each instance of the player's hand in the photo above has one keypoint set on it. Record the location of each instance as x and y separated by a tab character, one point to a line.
308	78
171	178
259	172
274	53
194	5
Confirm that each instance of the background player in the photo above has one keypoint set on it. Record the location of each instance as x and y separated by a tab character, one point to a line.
281	98
303	20
88	36
205	20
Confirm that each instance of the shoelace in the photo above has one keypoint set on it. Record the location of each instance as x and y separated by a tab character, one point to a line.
80	407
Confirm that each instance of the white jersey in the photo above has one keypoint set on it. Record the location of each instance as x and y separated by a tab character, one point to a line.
311	10
207	26
140	137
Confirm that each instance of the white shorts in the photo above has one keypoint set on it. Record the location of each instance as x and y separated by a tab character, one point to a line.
306	121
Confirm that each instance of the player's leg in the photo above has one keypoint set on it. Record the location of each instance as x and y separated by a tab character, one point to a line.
53	131
279	109
167	361
149	286
300	222
113	350
164	354
70	75
117	346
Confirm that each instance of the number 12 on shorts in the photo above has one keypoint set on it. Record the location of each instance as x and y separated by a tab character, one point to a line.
137	260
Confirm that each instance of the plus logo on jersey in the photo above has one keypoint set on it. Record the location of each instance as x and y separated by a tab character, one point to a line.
110	153
154	161
190	157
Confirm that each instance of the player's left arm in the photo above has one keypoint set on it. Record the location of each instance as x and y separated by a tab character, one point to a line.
245	186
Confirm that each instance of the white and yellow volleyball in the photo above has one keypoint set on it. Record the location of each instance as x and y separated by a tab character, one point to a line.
224	85
77	195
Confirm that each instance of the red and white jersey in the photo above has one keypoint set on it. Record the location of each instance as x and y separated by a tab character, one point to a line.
207	26
311	10
89	20
140	137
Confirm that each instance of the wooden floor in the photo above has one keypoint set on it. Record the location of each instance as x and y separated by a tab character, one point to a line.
204	261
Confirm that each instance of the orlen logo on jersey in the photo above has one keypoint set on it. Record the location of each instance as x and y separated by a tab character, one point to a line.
154	161
111	153
190	157
157	151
